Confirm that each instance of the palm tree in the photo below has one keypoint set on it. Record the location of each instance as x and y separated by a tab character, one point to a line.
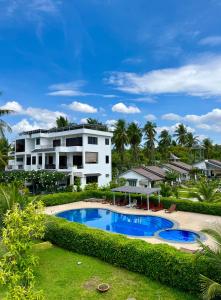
120	138
206	191
3	125
149	134
210	288
62	122
164	142
208	147
181	134
191	140
134	134
92	121
5	148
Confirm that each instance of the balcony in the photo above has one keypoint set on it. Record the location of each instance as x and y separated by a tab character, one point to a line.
50	166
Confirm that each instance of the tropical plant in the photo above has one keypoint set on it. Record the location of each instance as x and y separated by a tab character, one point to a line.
134	134
171	176
62	122
165	141
149	135
208	147
191	140
5	148
22	226
181	134
210	288
3	125
165	190
206	191
120	137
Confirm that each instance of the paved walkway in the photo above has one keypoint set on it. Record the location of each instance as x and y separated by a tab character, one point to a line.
185	220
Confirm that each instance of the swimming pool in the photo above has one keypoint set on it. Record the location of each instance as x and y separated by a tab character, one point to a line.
132	225
179	236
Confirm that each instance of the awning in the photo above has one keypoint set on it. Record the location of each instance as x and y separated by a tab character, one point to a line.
93	174
136	190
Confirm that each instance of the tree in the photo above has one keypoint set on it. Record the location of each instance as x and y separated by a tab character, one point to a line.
191	140
208	147
5	148
206	191
134	134
171	176
165	141
22	226
120	137
62	122
181	134
210	288
149	134
92	121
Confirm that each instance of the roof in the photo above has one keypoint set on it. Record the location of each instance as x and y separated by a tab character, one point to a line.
176	169
136	190
182	165
215	162
156	170
147	174
67	128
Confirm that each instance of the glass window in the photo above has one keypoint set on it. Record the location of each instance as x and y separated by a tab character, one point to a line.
107	159
28	160
132	182
33	160
91	179
107	141
56	143
20	145
91	157
19	159
92	140
40	160
37	141
77	141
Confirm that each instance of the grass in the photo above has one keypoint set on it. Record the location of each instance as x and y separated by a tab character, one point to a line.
62	278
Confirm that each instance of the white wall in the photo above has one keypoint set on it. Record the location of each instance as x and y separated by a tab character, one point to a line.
133	175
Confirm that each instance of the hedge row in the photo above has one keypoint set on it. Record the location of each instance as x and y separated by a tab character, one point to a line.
183	205
159	262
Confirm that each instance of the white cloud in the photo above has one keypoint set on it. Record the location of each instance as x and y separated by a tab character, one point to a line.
200	79
214	40
145	99
83	121
25	125
82	107
150	117
122	108
111	124
12	105
171	117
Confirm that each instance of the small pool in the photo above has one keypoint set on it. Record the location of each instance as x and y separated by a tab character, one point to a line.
132	225
179	236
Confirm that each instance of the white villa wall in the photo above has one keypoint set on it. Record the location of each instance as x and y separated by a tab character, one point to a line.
133	175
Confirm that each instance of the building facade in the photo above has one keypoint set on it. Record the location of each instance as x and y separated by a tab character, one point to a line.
82	151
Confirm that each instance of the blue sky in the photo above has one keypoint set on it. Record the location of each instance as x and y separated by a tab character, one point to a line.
140	60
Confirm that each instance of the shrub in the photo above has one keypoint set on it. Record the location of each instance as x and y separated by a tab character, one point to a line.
160	262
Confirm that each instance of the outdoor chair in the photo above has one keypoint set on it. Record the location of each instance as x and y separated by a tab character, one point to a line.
171	209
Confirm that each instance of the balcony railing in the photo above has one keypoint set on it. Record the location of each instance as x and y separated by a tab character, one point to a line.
50	166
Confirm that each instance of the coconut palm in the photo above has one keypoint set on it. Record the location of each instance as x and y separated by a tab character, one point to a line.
62	122
165	141
206	191
120	137
134	134
149	135
191	140
181	134
210	288
208	147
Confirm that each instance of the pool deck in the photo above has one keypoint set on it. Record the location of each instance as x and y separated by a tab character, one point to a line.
185	220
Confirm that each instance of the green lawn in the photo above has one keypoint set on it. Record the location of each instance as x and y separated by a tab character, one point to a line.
61	278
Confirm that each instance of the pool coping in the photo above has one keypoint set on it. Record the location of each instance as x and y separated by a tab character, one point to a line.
156	234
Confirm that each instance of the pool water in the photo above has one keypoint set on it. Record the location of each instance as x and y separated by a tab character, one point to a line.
179	235
133	225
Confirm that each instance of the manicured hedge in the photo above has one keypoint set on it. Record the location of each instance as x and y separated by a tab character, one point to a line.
183	205
160	262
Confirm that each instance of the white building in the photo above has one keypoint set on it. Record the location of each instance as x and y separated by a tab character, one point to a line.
80	150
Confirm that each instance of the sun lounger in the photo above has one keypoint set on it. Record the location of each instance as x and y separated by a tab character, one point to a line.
171	209
158	208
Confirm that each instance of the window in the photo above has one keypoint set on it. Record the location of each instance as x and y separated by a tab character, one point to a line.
107	141
28	160
40	160
19	159
77	141
132	182
77	159
91	157
37	141
107	175
33	160
20	145
92	140
107	159
56	143
91	179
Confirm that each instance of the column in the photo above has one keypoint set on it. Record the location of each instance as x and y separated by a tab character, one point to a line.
57	160
43	161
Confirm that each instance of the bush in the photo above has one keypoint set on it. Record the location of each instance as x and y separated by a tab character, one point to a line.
160	262
183	205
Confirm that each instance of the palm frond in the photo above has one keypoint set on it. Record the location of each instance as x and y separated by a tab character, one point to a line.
210	288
